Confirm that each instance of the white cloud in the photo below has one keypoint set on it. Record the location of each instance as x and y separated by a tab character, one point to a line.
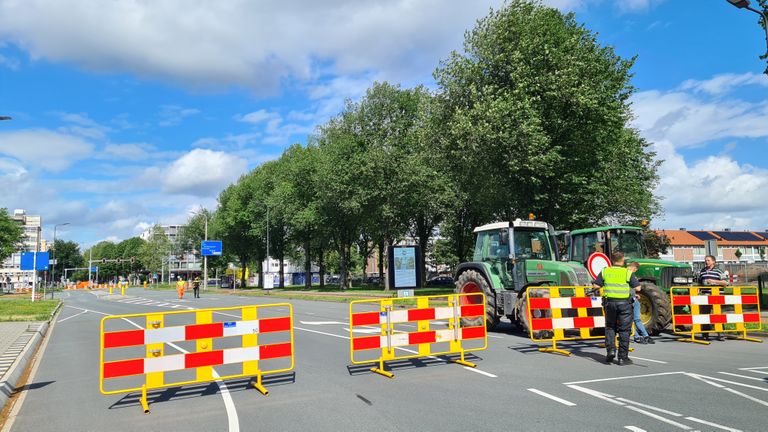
172	115
630	6
52	151
202	172
258	116
725	83
130	152
9	62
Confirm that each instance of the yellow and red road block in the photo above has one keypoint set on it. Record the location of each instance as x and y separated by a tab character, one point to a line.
546	306
392	315
744	315
134	359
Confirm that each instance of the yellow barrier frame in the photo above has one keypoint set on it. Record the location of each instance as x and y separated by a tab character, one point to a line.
422	302
716	310
154	320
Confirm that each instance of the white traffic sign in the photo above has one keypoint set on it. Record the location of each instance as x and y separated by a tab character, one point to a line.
596	263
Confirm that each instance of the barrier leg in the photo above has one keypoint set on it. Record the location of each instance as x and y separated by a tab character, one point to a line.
745	338
259	386
380	370
144	403
464	362
693	339
555	349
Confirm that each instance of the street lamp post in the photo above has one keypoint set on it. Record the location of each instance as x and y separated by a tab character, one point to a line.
744	4
205	257
53	271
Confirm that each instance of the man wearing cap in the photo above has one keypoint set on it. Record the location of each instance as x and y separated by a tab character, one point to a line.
618	284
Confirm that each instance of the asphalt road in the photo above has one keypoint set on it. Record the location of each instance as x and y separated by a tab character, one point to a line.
672	386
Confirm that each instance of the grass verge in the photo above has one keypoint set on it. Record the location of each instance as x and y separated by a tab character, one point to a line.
26	310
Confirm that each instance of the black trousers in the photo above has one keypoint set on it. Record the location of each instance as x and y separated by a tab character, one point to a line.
197	290
618	319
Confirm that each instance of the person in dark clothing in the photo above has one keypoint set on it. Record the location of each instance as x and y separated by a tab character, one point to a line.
618	284
196	286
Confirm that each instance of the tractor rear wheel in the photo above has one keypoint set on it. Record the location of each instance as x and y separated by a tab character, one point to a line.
655	309
470	282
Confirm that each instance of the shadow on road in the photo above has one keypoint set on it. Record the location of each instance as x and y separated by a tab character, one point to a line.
204	389
419	362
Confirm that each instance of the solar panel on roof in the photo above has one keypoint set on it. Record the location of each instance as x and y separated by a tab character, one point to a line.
762	235
702	235
737	236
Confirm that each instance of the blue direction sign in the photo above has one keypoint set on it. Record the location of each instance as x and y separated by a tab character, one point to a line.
28	260
94	269
210	248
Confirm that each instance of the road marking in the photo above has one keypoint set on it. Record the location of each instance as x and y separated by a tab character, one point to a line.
648	360
726	428
762	380
322	322
634	429
733	382
77	314
319	332
659	418
481	372
495	337
364	330
650	407
737	393
624	377
597	394
549	396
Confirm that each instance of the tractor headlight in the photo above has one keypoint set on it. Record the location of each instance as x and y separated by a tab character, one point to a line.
682	280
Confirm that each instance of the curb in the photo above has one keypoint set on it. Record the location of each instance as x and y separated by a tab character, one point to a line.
8	384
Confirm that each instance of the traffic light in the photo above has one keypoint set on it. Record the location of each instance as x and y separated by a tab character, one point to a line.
103	260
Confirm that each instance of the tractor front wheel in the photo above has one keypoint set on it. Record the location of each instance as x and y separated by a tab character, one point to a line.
470	282
655	309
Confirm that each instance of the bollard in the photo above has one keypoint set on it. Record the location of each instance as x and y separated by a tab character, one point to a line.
122	290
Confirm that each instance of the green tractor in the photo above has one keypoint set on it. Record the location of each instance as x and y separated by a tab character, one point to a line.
655	276
509	258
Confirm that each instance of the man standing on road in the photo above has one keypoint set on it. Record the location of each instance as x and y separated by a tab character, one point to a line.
618	283
710	275
180	286
196	286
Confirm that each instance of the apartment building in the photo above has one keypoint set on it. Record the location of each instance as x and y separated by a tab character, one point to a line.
11	274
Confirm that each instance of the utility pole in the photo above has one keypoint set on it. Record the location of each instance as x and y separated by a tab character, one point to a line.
205	257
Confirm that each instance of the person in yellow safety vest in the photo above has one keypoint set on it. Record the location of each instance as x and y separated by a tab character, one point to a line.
180	286
618	284
196	286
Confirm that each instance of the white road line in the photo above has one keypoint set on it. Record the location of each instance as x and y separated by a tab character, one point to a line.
648	360
77	314
754	367
481	372
597	394
756	371
495	337
624	377
322	322
634	429
746	396
659	418
743	376
733	382
650	407
726	428
549	396
319	332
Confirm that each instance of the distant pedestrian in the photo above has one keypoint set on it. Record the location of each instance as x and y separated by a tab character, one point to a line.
641	334
617	283
196	286
710	275
180	286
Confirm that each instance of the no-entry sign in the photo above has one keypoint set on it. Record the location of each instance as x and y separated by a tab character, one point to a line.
596	263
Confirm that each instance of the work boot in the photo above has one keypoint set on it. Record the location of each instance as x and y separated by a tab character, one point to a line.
610	356
648	340
641	340
720	337
624	361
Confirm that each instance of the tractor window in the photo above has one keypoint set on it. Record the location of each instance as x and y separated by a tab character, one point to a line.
589	245
532	244
629	242
491	245
577	249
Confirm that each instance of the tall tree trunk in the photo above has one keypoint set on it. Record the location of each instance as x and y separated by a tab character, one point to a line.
342	266
385	243
307	265
281	272
382	250
243	261
423	232
321	264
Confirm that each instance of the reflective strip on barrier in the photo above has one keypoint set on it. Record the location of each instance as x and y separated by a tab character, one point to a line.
201	358
546	307
392	318
694	310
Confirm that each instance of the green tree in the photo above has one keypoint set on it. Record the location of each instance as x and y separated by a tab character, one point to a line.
533	117
237	226
67	256
153	254
11	235
655	244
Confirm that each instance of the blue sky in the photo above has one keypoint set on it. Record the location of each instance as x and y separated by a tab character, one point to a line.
127	113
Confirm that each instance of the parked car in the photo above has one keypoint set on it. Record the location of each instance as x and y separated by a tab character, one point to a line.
440	281
373	280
